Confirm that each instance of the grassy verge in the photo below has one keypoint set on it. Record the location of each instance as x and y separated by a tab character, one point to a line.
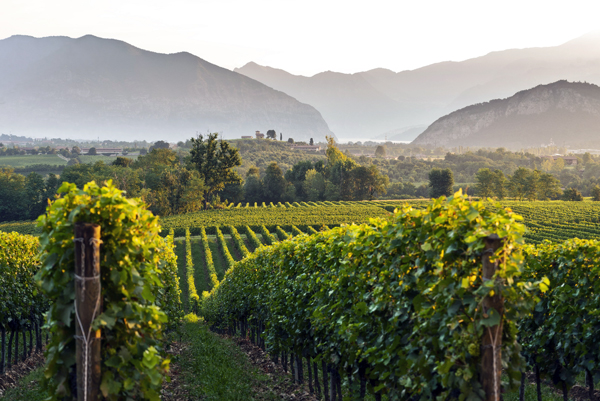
216	369
200	272
247	242
218	260
233	249
28	389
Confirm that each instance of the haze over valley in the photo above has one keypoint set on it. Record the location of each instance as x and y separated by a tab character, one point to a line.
370	103
91	87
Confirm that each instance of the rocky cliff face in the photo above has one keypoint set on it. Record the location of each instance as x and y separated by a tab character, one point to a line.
566	112
90	87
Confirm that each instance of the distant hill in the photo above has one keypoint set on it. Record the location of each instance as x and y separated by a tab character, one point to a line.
370	103
565	112
88	87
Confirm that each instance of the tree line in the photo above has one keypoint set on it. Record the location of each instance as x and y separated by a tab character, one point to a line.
172	183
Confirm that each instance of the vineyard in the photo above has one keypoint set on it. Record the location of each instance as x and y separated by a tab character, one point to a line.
396	306
556	221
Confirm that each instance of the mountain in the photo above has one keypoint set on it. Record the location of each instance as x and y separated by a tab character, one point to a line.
562	112
349	103
367	104
89	87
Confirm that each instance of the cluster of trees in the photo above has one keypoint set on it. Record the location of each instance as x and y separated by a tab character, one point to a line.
526	184
168	184
24	197
338	177
171	183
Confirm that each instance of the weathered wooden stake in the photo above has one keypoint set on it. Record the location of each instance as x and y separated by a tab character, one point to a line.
491	344
88	305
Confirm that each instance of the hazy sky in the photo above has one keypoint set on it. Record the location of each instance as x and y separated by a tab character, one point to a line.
309	36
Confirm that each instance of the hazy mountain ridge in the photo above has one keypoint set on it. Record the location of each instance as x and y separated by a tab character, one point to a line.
349	103
564	112
421	96
91	86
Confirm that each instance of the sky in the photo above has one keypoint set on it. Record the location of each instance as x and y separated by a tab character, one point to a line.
310	36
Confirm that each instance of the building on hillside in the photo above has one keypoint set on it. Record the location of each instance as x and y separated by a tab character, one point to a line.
103	151
309	148
259	135
569	160
247	136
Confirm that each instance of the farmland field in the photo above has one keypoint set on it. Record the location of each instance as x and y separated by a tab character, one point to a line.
53	160
30	160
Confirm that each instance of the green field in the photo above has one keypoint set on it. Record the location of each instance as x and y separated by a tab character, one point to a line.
53	160
30	160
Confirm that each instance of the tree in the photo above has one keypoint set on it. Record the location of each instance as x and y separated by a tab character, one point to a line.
380	151
548	187
156	157
122	161
92	152
532	185
297	175
290	140
499	184
281	136
484	186
547	165
215	161
338	170
160	145
233	193
558	165
34	193
52	184
441	182
572	194
12	204
253	187
179	190
311	143
368	182
274	183
518	183
76	150
596	193
314	185
271	134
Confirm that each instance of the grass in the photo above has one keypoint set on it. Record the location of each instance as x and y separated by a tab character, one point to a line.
247	242
29	160
218	258
235	253
200	270
53	160
216	369
28	388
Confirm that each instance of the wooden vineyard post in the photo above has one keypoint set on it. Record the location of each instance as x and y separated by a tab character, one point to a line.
88	305
491	344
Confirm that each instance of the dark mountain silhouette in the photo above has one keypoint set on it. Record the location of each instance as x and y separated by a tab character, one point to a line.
566	113
368	104
91	86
